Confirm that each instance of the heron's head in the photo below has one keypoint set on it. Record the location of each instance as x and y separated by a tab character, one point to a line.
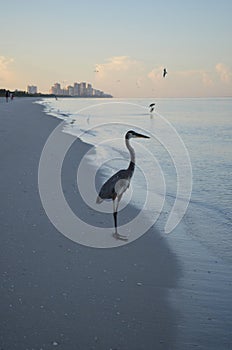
132	134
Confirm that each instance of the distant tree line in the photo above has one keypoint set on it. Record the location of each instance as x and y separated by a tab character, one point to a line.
18	93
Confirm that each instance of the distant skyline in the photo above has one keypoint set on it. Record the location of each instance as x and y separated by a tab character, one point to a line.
81	89
121	47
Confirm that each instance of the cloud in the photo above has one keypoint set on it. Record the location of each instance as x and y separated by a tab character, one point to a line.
125	76
206	79
5	73
223	72
120	76
191	75
201	75
4	62
139	82
156	74
116	64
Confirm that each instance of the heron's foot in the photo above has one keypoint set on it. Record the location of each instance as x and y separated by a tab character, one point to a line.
116	235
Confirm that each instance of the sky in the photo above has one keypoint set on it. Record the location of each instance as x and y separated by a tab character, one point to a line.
120	47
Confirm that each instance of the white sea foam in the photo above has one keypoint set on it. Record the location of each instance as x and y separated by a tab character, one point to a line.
204	126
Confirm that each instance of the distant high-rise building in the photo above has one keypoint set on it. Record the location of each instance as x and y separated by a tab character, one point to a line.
82	89
56	89
76	89
98	93
70	90
89	90
31	89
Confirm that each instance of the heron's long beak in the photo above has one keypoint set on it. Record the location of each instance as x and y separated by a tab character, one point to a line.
142	136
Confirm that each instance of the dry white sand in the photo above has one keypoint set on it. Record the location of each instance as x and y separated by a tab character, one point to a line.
155	293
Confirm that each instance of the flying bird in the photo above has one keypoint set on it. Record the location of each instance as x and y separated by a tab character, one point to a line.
152	107
164	72
117	184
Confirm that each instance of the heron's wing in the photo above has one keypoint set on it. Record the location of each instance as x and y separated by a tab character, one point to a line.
108	190
121	186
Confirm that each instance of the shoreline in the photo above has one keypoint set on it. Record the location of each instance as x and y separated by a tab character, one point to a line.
158	292
57	291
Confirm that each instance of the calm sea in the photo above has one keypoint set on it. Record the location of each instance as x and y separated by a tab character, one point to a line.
186	163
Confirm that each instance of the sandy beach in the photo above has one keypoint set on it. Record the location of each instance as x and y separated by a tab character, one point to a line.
154	293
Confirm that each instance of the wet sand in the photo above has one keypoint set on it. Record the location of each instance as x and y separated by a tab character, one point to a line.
158	292
55	292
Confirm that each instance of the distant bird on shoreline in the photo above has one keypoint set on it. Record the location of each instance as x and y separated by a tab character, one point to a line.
117	184
152	107
165	72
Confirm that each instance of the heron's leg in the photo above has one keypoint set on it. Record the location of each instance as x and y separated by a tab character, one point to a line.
119	198
115	213
116	234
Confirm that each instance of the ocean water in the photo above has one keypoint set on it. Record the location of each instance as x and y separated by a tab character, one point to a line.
183	172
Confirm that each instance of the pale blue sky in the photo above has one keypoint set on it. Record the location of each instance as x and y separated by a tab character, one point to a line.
129	42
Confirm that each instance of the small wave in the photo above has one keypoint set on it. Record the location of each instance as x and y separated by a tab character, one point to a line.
89	132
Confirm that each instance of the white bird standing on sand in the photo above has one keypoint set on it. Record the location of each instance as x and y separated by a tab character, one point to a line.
117	184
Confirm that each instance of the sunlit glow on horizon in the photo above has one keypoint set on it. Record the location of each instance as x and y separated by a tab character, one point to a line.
123	55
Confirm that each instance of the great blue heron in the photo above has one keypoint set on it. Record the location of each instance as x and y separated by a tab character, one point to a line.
165	72
117	184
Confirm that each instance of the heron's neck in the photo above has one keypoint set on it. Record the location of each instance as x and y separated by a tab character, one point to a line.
131	166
